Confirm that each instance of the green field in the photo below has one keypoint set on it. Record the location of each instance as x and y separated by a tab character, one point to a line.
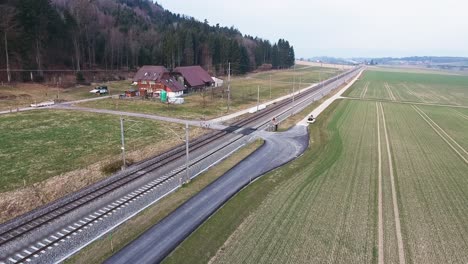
382	183
213	104
41	144
412	87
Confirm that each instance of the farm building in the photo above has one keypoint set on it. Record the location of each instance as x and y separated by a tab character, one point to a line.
170	85
217	82
131	93
151	80
148	75
194	77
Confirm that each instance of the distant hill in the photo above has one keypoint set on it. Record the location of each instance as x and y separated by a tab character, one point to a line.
428	61
424	61
124	34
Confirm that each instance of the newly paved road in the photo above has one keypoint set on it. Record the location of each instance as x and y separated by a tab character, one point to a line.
161	239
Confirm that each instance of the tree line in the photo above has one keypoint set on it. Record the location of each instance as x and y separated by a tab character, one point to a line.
82	35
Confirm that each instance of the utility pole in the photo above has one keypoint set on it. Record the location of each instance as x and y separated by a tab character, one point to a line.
258	97
294	81
229	87
300	83
187	159
124	165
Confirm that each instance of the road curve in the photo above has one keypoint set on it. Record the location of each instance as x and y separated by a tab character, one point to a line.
155	244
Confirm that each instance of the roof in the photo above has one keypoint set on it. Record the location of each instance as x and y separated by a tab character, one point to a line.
149	73
194	75
172	83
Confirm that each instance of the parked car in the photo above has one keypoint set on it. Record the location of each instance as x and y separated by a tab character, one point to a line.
100	90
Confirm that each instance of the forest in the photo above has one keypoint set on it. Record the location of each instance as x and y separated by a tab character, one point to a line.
121	35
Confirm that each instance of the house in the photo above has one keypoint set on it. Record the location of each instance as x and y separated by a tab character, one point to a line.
193	77
170	85
217	82
147	77
151	80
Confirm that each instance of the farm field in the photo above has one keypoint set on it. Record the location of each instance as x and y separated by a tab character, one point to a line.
412	87
388	185
416	69
211	104
56	152
24	94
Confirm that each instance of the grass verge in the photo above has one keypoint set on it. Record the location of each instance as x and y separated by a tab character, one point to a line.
47	154
100	250
204	243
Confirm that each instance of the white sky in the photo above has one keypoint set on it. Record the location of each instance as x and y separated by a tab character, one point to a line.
343	28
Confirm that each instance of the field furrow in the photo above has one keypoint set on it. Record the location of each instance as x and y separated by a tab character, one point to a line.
460	114
396	213
432	189
449	140
326	218
380	226
364	91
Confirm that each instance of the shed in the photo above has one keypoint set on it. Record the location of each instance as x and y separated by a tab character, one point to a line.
131	93
217	82
195	77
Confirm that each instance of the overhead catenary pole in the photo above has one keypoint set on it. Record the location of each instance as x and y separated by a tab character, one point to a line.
187	157
294	81
124	164
229	88
258	97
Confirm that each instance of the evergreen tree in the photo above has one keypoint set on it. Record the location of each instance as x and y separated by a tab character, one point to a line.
83	34
244	66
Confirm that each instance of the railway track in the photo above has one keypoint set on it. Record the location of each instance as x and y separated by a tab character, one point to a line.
29	222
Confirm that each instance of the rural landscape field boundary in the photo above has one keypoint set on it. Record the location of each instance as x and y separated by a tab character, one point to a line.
396	211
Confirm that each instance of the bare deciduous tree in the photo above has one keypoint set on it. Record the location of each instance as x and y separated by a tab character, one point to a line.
7	23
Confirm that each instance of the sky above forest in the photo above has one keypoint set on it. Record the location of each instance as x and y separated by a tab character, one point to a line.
341	28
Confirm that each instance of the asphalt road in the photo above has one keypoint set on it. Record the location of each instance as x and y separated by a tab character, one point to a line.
155	244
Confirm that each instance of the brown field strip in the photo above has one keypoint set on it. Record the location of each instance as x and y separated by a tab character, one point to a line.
401	252
447	138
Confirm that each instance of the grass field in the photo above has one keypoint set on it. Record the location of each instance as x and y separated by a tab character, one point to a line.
243	95
381	183
41	144
24	94
412	87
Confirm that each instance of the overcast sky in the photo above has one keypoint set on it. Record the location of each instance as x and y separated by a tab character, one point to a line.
343	28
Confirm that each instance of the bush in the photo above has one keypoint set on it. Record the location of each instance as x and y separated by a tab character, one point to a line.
115	166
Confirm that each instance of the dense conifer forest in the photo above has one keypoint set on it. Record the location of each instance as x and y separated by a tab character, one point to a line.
79	35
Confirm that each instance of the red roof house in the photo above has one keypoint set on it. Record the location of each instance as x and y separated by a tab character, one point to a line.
152	79
195	77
